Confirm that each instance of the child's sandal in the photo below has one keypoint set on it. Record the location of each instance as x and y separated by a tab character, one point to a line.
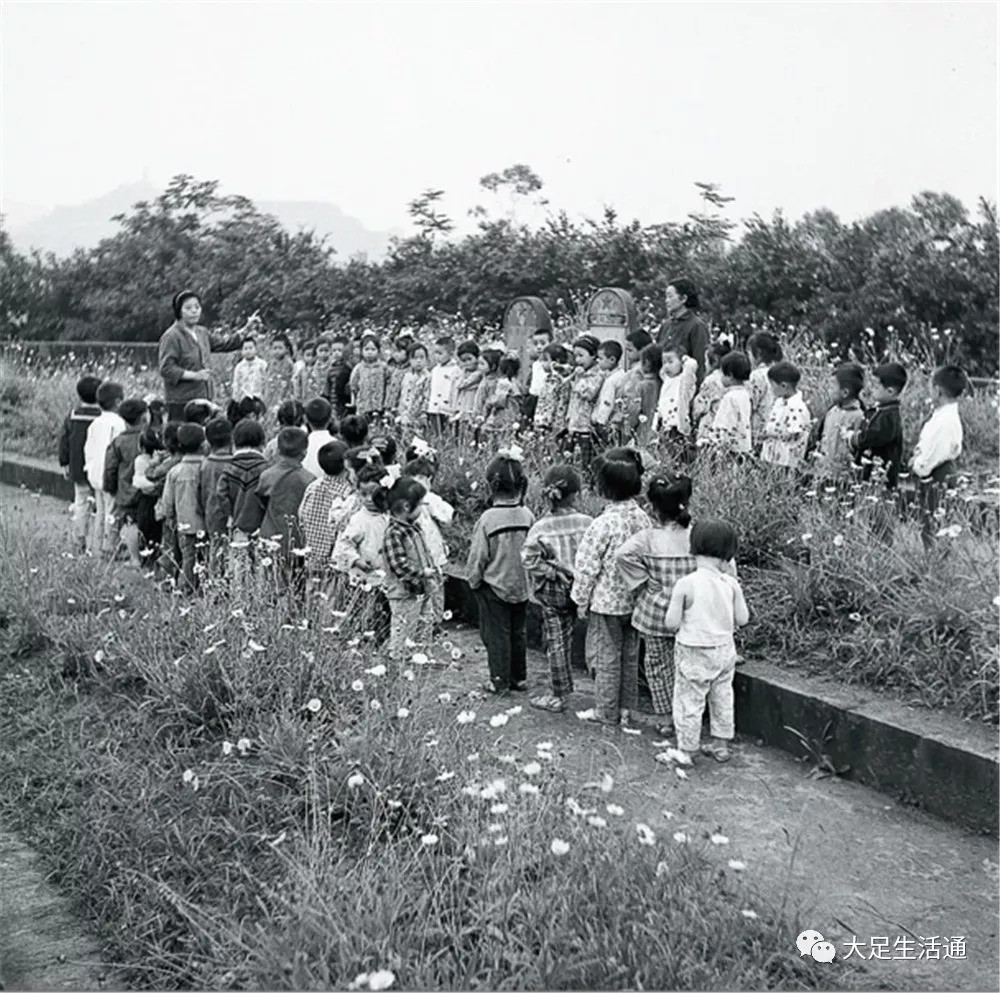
553	704
721	753
493	690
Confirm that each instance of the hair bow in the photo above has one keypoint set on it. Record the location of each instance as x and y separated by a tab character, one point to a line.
392	473
513	452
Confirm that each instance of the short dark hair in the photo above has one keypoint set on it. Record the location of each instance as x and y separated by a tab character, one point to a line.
421	466
468	348
492	358
354	429
339	339
386	446
219	432
545	331
131	410
611	349
717	352
109	393
588	343
651	356
714	538
247	407
736	365
687	290
405	492
670	497
784	373
372	475
248	433
510	366
892	376
331	457
190	438
619	474
402	343
417	347
951	380
359	457
850	377
559	484
290	414
180	299
86	388
638	339
370	339
284	339
307	346
150	441
765	347
445	341
318	412
556	352
198	412
292	442
506	477
170	440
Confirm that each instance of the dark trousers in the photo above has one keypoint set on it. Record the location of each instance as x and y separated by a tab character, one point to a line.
930	497
502	628
438	425
175	410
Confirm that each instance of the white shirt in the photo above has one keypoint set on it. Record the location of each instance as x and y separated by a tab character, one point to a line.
102	430
444	384
711	605
606	399
538	377
789	422
314	442
940	441
435	509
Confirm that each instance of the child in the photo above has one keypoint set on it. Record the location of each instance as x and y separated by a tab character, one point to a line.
553	398
607	409
540	340
548	556
705	609
290	415
219	436
151	478
252	407
119	474
303	374
444	378
434	511
709	396
332	483
101	431
181	503
845	416
151	453
71	454
785	432
250	373
354	430
280	370
489	369
316	377
236	493
765	352
385	447
731	431
599	590
650	563
318	412
938	448
157	412
880	438
587	383
503	409
199	412
338	377
399	362
495	571
467	383
368	379
642	395
415	390
678	384
409	570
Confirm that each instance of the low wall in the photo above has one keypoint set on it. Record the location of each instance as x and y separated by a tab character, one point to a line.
932	759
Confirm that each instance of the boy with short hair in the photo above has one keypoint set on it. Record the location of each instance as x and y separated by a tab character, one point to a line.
236	492
181	503
219	435
468	382
607	415
938	448
731	430
880	437
100	433
396	366
318	413
587	382
338	377
443	385
354	429
250	372
834	457
119	471
332	484
71	454
785	433
765	351
540	340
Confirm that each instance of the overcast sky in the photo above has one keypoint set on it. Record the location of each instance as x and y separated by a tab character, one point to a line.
798	105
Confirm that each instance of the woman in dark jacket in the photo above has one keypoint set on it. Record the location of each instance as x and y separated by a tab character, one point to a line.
185	348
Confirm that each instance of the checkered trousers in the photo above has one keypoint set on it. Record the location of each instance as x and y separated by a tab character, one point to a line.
557	634
659	666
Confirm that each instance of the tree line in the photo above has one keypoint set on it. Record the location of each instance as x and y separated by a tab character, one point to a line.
923	278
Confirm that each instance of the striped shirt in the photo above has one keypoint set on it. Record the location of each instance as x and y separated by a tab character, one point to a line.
553	540
650	563
599	585
495	552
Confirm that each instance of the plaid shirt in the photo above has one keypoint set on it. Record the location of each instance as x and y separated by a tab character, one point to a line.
650	563
599	586
554	538
406	558
583	397
314	515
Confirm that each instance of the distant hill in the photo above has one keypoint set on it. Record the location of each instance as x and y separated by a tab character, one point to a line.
67	228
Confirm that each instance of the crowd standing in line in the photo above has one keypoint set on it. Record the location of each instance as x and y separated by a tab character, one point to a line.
188	490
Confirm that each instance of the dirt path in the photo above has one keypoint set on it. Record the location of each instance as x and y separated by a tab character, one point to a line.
842	859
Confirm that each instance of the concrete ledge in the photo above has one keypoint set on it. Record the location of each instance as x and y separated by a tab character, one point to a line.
932	759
